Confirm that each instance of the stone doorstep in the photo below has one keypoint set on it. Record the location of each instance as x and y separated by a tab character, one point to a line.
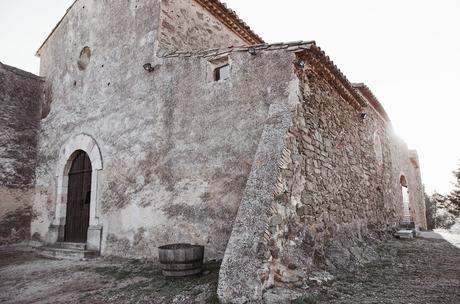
66	253
404	234
68	245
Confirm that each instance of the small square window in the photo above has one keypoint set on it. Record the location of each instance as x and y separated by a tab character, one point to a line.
222	72
218	69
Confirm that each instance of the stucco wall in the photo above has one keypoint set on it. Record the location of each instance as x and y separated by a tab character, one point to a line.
121	37
176	146
186	25
20	97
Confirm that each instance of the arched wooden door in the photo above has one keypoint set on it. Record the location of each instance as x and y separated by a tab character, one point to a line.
78	199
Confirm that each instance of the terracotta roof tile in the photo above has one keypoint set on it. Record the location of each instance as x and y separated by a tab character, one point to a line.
373	101
264	47
230	18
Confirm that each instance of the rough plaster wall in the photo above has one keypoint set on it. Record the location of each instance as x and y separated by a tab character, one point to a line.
186	25
176	149
121	36
20	98
192	178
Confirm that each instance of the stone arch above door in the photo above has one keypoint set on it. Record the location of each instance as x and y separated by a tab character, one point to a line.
79	142
87	144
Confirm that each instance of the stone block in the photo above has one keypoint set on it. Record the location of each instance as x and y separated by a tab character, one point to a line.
94	238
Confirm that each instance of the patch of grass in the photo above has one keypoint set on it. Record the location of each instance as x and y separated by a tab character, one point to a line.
138	286
306	299
155	281
85	296
213	299
115	272
83	268
322	296
136	262
173	286
163	286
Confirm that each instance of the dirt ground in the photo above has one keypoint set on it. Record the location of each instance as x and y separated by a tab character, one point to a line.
26	277
420	271
408	271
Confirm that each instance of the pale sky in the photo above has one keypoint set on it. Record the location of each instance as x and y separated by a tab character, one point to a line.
406	51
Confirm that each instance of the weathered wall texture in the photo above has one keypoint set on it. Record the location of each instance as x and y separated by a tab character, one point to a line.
186	25
20	97
332	199
121	37
176	146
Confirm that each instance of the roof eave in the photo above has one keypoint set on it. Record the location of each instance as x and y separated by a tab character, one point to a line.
372	99
231	20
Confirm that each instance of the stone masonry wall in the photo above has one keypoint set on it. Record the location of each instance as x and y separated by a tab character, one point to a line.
20	97
336	194
186	25
334	197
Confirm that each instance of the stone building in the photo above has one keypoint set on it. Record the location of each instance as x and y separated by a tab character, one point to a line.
163	121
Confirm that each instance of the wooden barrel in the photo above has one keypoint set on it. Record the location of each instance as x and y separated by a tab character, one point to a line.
180	260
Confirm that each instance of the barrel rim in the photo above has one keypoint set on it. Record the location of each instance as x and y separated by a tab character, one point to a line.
180	246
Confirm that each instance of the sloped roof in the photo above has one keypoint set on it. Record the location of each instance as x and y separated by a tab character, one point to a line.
217	8
215	52
370	97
